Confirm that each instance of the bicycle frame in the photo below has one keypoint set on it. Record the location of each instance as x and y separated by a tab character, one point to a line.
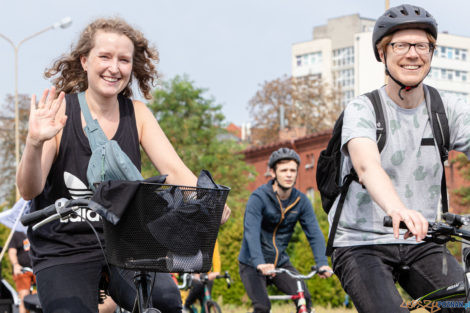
300	296
441	233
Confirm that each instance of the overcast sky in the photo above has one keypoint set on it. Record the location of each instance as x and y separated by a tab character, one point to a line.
228	47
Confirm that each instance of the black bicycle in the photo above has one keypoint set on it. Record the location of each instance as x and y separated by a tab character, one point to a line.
167	229
441	233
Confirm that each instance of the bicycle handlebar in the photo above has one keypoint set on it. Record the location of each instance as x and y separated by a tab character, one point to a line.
228	278
450	219
204	278
62	208
440	232
314	270
187	280
37	216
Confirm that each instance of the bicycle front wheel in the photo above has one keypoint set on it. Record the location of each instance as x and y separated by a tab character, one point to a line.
212	307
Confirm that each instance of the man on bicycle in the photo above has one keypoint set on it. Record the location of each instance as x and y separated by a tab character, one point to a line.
403	180
271	214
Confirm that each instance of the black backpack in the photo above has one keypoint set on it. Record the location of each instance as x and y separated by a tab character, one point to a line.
329	162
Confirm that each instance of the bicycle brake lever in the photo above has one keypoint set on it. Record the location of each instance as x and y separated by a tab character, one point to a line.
45	221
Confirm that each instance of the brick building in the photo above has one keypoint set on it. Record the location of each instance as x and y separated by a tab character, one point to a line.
309	147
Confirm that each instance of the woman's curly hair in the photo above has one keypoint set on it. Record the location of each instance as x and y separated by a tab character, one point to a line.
72	77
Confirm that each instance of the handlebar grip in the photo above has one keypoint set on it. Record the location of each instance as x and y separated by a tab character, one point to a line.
388	223
455	219
37	216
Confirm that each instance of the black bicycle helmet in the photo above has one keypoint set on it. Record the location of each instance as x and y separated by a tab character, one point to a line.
283	154
404	16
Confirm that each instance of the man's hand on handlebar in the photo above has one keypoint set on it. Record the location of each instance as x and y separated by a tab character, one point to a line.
266	268
414	220
325	271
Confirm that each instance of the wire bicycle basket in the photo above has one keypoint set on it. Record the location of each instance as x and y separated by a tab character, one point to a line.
167	228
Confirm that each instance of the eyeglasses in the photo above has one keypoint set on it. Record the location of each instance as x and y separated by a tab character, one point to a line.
422	48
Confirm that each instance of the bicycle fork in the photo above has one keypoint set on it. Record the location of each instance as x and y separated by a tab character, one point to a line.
143	300
300	296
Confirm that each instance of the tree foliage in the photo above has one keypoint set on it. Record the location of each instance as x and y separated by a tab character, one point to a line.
194	124
7	142
307	102
463	193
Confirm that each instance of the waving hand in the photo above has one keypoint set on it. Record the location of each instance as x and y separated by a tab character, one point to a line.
44	123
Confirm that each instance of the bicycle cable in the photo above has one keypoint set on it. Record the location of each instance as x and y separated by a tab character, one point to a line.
104	255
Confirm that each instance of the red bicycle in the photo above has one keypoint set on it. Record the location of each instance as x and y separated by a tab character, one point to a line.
300	296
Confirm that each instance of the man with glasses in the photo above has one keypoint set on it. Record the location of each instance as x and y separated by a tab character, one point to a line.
402	181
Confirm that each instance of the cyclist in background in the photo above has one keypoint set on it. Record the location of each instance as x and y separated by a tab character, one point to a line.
18	253
66	256
271	214
402	181
197	289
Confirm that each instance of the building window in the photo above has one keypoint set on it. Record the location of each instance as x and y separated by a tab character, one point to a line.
448	74
310	161
451	53
309	58
343	56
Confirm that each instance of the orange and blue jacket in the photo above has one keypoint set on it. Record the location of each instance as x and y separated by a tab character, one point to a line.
269	224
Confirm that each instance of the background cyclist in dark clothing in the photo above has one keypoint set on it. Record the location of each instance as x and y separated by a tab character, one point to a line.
270	217
66	256
18	253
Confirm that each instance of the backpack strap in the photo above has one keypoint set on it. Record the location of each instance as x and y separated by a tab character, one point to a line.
374	97
440	130
96	136
339	208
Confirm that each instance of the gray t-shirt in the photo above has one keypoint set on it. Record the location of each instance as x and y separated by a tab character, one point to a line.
415	170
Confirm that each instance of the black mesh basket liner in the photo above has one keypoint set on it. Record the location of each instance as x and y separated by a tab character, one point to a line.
167	228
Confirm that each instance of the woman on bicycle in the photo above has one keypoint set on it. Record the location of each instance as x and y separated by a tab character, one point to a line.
66	256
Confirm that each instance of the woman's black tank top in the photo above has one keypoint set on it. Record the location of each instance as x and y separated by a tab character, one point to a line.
72	240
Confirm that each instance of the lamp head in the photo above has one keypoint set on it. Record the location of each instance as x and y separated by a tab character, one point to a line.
63	23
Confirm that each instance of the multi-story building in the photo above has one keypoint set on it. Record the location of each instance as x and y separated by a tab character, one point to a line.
341	54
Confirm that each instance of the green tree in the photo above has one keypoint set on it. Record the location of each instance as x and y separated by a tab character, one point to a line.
463	193
194	125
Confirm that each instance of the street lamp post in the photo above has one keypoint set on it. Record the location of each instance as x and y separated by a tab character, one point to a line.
63	23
